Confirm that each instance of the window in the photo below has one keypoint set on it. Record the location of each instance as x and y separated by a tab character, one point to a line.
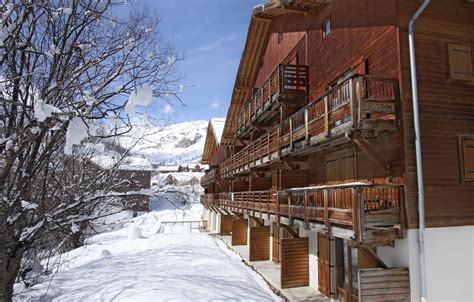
280	37
460	62
466	150
326	27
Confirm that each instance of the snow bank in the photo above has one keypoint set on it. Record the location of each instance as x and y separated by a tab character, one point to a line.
137	264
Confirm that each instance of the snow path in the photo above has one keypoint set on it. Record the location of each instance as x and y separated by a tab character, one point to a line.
136	264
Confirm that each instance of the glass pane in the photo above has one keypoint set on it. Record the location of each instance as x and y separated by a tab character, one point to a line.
327	27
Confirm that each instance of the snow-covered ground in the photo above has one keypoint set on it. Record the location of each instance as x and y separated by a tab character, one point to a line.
144	261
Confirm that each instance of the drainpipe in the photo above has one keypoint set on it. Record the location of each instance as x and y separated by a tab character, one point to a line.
419	167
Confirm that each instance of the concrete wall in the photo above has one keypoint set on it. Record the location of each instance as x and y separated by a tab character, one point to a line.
313	256
449	262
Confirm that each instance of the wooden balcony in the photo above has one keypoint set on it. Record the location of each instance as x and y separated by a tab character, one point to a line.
286	82
209	200
263	150
210	177
364	104
365	213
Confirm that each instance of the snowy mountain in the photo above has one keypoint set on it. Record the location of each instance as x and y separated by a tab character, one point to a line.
168	145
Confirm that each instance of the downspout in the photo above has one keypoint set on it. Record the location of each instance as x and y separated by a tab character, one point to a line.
419	166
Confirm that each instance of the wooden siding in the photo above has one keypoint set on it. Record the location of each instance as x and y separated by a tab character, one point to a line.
293	179
239	231
226	225
384	285
446	109
361	30
365	167
324	264
261	183
294	262
259	245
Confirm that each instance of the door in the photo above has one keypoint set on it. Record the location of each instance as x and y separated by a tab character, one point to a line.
276	243
324	265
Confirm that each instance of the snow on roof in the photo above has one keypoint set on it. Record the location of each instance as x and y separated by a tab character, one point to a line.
107	161
167	168
218	128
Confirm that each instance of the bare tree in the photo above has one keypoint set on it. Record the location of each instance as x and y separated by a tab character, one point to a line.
66	66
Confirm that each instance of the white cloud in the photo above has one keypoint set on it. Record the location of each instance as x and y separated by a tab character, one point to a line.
168	109
215	104
213	45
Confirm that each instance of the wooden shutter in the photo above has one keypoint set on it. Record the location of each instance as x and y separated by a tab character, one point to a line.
324	266
333	169
294	262
460	62
340	166
348	165
468	158
259	245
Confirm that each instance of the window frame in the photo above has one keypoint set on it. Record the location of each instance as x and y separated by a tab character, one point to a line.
324	33
462	172
453	49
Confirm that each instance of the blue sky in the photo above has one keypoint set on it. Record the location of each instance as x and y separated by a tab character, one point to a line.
211	35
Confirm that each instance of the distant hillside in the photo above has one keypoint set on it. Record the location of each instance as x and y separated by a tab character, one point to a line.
171	145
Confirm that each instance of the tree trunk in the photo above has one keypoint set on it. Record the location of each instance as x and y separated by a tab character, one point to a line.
12	269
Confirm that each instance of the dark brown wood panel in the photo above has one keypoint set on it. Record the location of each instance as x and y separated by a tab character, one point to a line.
293	178
276	243
239	231
324	265
259	245
226	225
294	262
384	284
446	109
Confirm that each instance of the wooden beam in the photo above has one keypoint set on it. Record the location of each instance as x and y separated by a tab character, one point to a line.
258	221
367	147
295	9
290	231
289	164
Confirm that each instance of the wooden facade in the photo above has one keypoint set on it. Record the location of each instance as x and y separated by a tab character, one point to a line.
320	133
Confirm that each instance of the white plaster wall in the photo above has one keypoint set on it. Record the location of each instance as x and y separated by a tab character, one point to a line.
313	256
218	223
205	216
271	240
449	255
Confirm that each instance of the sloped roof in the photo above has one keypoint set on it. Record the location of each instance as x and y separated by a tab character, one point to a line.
258	35
213	138
217	125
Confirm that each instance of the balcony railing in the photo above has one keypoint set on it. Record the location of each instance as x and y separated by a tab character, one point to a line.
209	177
258	151
285	80
355	206
361	102
366	102
210	200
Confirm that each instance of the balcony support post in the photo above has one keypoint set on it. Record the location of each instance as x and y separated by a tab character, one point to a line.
354	103
355	213
306	214
306	118
326	116
291	133
326	209
361	207
367	147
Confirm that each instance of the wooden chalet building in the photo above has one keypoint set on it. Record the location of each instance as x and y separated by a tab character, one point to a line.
316	167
